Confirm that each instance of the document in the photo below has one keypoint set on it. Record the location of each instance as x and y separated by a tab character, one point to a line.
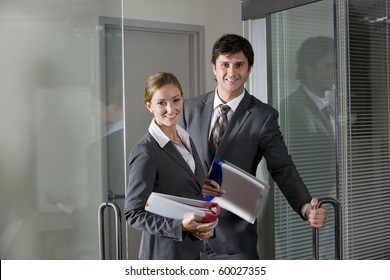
176	207
245	194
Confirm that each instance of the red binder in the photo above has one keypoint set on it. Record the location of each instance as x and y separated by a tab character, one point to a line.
176	207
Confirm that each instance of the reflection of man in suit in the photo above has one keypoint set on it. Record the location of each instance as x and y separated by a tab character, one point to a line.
253	133
307	116
308	122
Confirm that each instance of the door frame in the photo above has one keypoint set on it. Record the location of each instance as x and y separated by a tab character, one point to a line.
196	36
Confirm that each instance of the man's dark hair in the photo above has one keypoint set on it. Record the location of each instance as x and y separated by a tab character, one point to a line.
311	52
232	44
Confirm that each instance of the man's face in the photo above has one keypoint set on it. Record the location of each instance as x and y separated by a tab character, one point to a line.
322	74
231	72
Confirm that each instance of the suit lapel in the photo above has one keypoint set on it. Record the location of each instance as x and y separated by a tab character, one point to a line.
171	151
204	114
199	172
317	113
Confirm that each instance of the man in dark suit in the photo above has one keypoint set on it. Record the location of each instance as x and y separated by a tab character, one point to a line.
252	133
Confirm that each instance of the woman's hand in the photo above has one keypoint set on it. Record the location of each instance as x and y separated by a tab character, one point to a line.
198	229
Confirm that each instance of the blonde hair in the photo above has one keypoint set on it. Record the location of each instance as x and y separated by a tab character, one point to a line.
157	81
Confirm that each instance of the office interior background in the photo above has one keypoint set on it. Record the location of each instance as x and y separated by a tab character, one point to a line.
72	72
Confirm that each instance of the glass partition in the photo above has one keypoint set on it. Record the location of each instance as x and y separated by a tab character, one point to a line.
54	118
304	92
364	129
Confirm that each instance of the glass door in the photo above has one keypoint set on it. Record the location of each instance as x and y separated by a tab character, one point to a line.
304	92
55	120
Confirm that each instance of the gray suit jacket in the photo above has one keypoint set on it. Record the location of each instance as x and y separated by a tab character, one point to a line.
253	133
163	170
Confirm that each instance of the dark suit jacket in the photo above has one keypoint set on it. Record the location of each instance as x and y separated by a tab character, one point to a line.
163	170
311	142
304	116
253	133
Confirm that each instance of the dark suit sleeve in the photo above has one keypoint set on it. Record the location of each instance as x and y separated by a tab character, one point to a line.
281	166
141	181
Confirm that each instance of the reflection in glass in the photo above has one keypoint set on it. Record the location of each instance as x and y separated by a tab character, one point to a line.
51	184
308	114
304	93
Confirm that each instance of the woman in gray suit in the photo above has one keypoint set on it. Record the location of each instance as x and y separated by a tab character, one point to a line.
165	161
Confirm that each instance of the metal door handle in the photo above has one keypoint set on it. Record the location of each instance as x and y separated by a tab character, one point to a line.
337	228
118	226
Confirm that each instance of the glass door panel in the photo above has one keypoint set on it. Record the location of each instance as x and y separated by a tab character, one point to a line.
303	91
51	146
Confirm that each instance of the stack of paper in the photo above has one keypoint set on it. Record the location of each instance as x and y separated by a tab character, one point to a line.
175	207
245	194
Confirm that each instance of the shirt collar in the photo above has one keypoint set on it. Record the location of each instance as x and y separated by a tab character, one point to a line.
162	139
320	102
233	104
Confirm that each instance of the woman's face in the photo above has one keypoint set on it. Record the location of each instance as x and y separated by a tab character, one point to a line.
166	106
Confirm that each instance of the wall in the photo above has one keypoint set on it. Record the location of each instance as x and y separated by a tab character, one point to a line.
218	17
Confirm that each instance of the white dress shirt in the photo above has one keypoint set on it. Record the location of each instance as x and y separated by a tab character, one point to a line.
162	140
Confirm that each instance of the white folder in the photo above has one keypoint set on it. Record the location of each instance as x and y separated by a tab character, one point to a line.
245	194
176	207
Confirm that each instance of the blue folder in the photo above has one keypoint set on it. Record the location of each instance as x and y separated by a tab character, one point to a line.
215	174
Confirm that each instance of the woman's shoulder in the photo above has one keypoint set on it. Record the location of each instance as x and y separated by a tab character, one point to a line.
144	146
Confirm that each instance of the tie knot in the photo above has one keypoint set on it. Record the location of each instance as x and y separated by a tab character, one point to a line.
225	109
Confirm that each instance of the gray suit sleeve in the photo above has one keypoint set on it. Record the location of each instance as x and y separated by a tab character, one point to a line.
141	182
281	165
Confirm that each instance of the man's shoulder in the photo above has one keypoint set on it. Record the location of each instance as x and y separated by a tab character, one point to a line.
200	98
256	104
194	102
296	99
